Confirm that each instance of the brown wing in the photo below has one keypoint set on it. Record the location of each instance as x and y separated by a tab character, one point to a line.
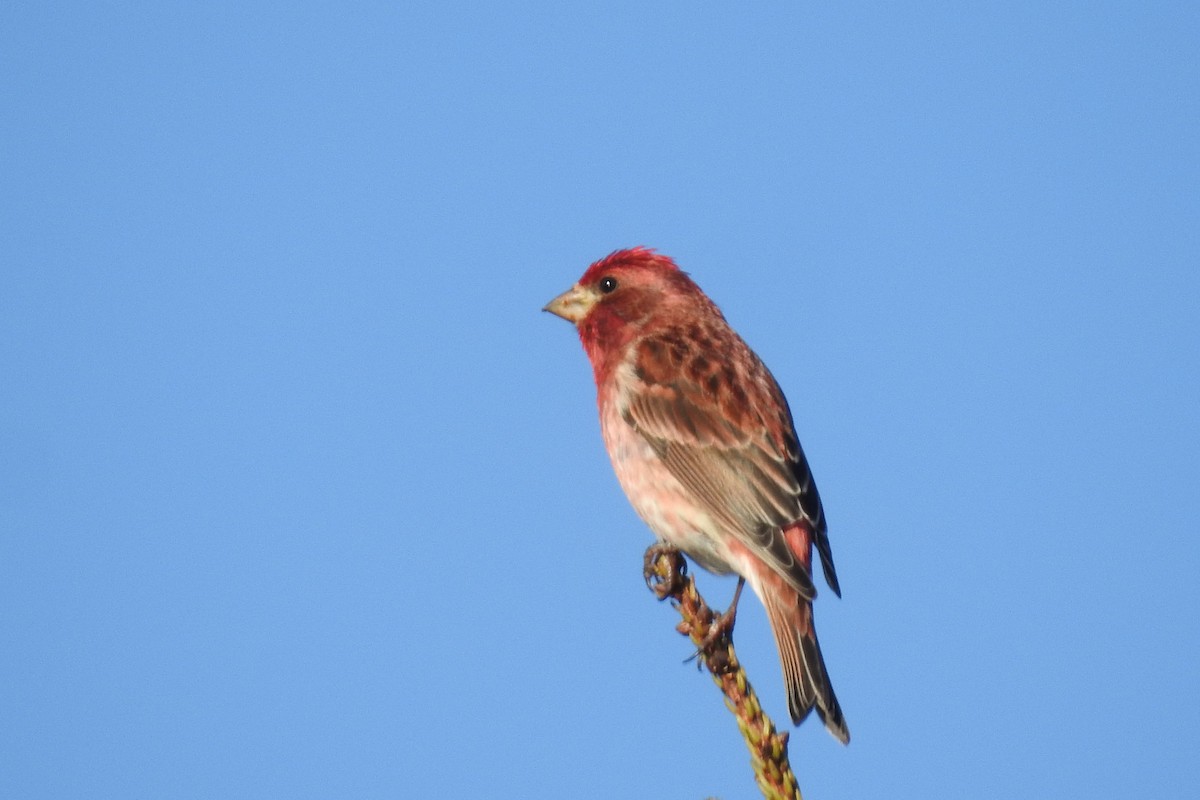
724	431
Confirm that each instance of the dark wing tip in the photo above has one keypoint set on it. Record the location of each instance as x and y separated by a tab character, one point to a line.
827	564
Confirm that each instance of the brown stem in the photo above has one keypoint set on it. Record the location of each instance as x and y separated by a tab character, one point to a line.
666	575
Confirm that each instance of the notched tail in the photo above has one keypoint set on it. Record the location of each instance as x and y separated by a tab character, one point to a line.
804	676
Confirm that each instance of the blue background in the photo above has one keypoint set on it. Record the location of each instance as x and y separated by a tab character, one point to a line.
302	496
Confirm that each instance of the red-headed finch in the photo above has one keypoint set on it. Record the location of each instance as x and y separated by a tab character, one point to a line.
702	441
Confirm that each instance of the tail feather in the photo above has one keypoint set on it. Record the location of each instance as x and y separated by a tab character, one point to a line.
804	676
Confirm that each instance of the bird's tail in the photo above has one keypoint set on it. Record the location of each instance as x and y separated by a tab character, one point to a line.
804	676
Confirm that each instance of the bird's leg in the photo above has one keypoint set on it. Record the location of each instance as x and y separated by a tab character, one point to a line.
722	625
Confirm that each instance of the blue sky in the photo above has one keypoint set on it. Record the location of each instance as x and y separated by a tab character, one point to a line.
302	496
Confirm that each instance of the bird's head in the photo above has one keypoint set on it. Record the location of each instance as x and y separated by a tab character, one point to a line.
625	284
619	296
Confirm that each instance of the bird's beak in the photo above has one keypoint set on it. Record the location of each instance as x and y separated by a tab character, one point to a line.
572	305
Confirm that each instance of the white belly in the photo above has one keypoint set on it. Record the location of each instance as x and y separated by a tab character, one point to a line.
660	499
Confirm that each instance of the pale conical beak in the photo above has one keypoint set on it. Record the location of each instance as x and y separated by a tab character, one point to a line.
572	305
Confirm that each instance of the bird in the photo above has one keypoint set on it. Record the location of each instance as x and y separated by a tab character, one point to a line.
703	444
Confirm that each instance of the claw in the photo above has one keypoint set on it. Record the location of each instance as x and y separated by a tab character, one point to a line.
663	568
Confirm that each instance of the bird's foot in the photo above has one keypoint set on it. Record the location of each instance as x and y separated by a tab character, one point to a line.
663	568
714	647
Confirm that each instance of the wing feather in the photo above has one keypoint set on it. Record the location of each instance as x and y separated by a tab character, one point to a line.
747	471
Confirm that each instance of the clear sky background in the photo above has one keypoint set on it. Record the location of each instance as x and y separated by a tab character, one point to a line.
302	496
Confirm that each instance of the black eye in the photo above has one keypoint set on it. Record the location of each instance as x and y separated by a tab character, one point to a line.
607	285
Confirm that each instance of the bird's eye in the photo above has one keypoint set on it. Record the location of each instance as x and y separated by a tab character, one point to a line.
607	285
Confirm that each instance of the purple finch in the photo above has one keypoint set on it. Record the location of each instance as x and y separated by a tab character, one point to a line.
702	441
